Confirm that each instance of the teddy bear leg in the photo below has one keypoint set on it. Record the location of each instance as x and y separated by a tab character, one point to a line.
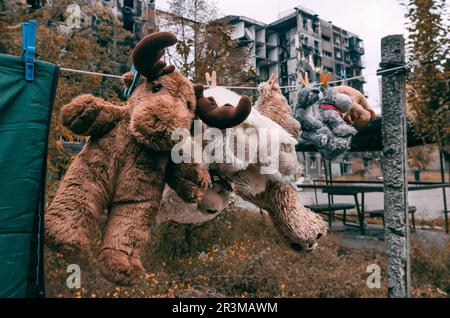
125	233
301	227
78	204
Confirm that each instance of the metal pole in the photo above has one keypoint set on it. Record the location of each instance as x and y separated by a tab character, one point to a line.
441	161
394	168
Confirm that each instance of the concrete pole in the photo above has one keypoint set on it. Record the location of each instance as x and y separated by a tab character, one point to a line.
395	166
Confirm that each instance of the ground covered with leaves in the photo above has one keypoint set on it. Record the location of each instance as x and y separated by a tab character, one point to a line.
240	254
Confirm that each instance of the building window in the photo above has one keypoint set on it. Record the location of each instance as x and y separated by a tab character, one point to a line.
346	42
327	54
326	38
328	69
316	44
338	69
312	161
337	39
315	26
347	57
338	54
129	3
305	24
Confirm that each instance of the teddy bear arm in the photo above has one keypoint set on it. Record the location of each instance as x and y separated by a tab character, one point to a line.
80	200
190	181
88	115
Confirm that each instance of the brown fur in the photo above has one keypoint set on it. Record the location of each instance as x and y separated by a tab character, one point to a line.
298	225
123	168
361	112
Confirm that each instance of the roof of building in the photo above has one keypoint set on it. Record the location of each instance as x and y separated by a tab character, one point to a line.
234	18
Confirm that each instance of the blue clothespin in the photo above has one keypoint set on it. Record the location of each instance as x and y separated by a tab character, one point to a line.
29	48
344	77
137	77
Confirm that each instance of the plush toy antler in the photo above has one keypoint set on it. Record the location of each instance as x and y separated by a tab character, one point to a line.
223	117
148	52
147	61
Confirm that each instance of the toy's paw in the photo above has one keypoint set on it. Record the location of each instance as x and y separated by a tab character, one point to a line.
68	241
119	267
63	237
194	185
81	113
345	131
306	230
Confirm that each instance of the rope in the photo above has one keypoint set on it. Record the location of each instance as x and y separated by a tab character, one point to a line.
90	73
408	65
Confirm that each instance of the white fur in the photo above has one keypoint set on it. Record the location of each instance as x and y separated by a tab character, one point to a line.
244	174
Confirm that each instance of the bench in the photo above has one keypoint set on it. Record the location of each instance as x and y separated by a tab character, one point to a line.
330	209
380	214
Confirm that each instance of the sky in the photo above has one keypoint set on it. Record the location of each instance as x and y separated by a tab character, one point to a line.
370	19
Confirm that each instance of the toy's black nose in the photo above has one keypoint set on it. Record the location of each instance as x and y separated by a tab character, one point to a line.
319	236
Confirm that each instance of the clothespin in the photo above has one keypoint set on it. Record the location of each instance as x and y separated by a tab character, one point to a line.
211	81
303	80
324	78
136	79
344	77
29	48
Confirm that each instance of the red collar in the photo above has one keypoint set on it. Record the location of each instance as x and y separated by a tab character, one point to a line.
332	108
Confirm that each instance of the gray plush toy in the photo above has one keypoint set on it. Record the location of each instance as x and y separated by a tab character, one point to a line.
328	132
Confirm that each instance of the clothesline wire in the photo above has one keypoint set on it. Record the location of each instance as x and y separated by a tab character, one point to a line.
245	87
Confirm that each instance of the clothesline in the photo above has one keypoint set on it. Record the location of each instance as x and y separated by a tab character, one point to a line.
249	87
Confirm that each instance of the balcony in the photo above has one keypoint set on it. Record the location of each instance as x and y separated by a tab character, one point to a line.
357	63
355	46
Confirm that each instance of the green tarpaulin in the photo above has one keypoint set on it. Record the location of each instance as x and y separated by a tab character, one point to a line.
25	112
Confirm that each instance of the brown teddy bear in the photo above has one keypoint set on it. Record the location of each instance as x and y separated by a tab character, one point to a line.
126	162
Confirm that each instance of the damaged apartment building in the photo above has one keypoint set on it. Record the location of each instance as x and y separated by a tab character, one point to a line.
296	43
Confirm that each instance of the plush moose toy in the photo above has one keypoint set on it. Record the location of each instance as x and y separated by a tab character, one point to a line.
126	162
328	132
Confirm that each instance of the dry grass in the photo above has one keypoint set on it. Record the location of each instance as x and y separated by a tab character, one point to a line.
241	255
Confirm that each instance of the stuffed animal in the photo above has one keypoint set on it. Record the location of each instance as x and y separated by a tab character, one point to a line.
298	225
361	112
328	132
126	162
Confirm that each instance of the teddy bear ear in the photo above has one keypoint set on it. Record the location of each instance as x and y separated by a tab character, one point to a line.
148	52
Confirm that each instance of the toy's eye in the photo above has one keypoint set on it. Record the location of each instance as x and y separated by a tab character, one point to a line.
156	88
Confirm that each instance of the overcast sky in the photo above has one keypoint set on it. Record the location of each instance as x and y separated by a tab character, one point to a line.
370	19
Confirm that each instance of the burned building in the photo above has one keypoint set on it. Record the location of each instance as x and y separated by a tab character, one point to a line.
299	41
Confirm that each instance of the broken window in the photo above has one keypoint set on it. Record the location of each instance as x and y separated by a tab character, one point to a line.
128	3
337	38
305	24
327	54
